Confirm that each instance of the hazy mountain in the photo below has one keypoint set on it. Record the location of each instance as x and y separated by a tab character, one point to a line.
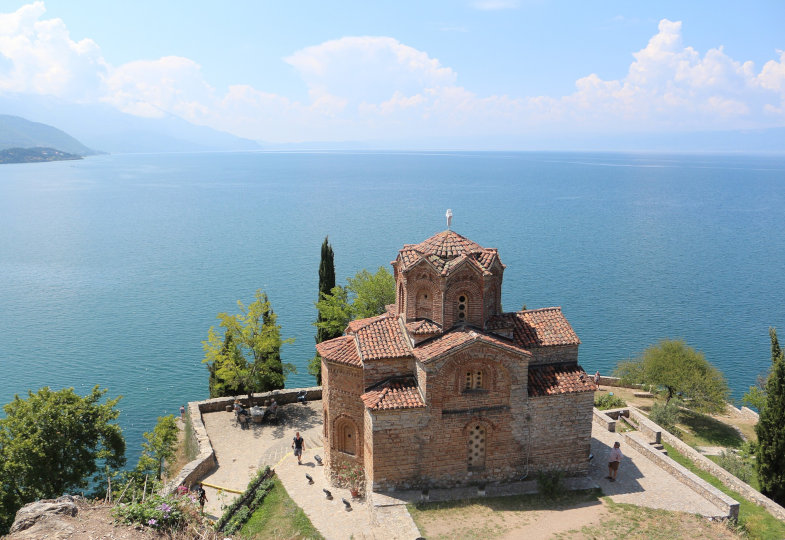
17	132
104	128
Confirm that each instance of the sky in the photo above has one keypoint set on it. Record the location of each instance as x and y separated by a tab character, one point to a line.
399	70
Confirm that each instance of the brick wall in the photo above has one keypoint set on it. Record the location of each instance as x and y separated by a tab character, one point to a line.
561	432
554	355
375	371
342	388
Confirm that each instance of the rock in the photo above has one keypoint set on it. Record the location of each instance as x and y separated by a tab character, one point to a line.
30	514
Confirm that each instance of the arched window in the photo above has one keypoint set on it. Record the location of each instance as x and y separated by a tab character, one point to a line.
345	436
473	380
476	447
423	305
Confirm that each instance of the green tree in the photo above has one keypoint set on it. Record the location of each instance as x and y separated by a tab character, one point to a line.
771	433
55	442
365	295
160	446
682	371
326	284
247	358
756	396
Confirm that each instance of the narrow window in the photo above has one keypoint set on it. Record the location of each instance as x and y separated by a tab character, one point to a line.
462	308
476	447
478	380
469	381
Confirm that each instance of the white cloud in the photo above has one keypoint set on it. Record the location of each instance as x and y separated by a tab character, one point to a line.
41	58
367	87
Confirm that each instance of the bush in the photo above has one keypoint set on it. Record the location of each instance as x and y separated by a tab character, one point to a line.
665	415
735	465
157	512
609	401
550	484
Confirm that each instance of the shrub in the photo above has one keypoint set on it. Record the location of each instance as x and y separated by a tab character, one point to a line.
609	401
735	465
665	415
157	512
550	484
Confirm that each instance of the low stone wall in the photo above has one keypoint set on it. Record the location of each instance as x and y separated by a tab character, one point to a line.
704	463
601	418
649	429
726	504
615	381
205	461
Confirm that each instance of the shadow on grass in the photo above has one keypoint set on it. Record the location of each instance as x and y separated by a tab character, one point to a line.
534	501
708	431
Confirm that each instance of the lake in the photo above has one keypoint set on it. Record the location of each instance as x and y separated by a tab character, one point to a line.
113	268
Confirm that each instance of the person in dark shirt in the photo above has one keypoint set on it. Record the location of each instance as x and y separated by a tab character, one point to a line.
299	445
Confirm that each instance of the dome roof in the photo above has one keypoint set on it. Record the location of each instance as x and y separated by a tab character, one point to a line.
444	249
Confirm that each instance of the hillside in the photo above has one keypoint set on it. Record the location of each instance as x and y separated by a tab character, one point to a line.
17	132
109	130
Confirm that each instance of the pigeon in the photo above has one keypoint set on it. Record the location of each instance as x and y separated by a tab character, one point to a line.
318	459
347	503
310	479
327	493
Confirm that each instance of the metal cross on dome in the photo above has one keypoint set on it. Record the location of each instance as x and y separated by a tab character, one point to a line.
448	215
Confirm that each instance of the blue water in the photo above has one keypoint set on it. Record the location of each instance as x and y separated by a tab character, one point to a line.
113	268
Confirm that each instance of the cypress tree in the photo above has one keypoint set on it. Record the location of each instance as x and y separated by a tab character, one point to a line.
771	429
326	284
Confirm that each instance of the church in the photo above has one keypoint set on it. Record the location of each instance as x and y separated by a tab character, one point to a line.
445	389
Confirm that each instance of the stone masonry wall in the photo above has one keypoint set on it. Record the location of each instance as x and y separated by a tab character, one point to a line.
343	386
554	355
375	371
561	432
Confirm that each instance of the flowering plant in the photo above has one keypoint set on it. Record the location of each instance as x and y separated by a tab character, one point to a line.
351	474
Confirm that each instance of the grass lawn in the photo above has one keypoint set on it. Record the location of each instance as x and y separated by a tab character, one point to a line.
702	430
753	519
488	517
637	522
753	481
278	518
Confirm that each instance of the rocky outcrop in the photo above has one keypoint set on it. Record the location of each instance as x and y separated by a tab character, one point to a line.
32	513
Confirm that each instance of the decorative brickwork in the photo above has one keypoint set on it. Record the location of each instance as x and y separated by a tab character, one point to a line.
443	389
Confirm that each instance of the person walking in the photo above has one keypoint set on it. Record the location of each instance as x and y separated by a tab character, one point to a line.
182	413
614	459
202	497
299	445
597	379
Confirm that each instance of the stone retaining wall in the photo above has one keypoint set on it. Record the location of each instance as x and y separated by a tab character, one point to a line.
599	417
205	461
649	429
615	381
704	463
725	503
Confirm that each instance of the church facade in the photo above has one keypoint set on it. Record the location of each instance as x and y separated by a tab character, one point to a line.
445	389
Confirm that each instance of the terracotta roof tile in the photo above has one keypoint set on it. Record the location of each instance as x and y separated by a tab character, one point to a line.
536	327
549	380
382	338
357	324
433	348
445	250
422	327
342	350
399	393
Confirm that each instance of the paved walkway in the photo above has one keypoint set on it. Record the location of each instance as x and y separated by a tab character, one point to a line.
240	453
642	482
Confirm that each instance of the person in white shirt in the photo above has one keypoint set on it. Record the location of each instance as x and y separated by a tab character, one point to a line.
614	458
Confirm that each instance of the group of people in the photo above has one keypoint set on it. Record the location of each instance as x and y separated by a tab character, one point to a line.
243	415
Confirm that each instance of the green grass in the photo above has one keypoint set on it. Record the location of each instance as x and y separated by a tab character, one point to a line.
278	518
703	430
753	480
753	519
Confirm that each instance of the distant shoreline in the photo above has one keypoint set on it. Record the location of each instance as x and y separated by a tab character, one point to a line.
35	155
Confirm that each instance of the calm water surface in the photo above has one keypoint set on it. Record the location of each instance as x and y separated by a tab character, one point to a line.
113	268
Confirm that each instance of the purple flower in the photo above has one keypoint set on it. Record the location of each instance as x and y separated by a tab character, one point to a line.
164	507
152	522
